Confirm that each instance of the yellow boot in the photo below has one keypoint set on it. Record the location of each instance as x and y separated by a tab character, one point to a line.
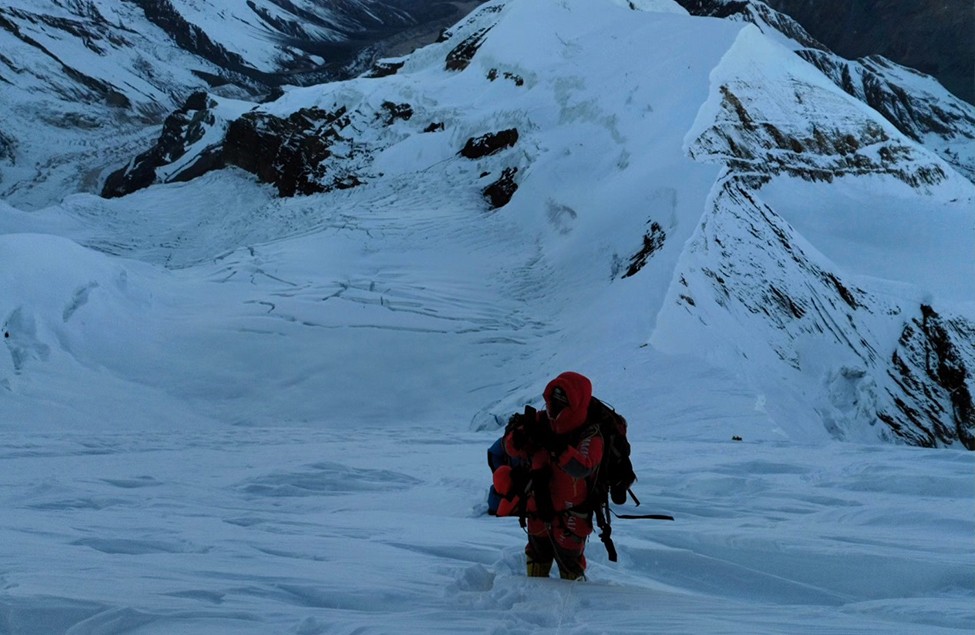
539	569
571	575
572	567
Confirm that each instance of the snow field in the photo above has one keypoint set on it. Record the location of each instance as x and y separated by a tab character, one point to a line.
305	530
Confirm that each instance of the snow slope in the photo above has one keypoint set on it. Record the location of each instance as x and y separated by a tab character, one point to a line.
229	412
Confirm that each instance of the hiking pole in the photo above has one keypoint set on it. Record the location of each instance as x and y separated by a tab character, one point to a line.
642	516
639	517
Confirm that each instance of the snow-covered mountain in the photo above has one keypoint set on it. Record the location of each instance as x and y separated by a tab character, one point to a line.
915	103
94	78
251	392
779	110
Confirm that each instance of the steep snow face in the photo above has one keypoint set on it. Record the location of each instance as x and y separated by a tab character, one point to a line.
772	115
824	343
913	102
749	271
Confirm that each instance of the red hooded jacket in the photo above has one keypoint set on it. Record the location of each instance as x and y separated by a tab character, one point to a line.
575	447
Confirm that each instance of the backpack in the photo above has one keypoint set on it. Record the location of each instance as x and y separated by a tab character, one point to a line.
614	476
496	457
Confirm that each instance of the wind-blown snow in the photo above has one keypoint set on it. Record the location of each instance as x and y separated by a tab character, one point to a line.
227	412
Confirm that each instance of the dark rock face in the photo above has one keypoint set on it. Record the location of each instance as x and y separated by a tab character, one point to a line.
461	55
491	143
653	241
289	153
181	130
751	11
392	112
97	34
384	68
191	37
932	369
501	191
933	36
6	148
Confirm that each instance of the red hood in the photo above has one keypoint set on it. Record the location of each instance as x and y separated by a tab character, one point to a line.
578	390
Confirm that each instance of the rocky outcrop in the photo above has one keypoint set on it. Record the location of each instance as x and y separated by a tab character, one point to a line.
289	153
461	55
514	78
751	140
6	148
920	112
393	111
500	192
490	143
757	13
653	241
933	370
469	35
385	68
312	150
181	130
